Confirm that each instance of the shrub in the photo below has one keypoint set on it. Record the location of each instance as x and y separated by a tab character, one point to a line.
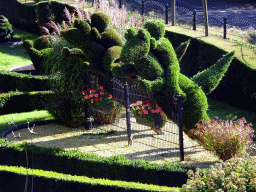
6	32
237	174
225	138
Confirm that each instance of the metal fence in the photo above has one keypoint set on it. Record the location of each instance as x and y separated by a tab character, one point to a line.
149	144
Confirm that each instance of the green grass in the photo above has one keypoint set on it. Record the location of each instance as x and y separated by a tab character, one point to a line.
12	56
21	118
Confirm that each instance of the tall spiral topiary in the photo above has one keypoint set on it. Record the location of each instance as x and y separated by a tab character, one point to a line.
6	32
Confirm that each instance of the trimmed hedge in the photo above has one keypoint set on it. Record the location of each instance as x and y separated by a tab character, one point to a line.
85	164
29	18
237	87
12	81
20	15
14	179
15	102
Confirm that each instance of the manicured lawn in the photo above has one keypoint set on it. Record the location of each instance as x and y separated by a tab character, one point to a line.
15	55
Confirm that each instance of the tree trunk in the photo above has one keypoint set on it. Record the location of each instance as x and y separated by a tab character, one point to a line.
206	24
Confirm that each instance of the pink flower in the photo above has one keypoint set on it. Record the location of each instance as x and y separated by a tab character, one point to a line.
145	111
101	87
91	95
161	113
93	91
91	100
153	111
140	111
149	107
139	103
86	97
96	95
158	110
101	93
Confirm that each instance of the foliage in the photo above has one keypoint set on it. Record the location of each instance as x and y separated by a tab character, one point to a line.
6	32
237	174
147	110
54	181
210	78
66	108
225	138
99	97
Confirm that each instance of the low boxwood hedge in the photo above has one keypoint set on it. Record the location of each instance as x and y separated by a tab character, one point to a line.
12	81
14	178
75	162
15	102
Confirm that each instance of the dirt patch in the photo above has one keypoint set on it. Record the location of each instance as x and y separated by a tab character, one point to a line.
109	140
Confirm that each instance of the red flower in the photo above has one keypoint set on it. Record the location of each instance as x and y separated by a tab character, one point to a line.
148	102
88	89
140	111
110	96
96	99
84	92
101	87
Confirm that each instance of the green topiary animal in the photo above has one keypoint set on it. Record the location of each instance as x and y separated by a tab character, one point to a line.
37	56
6	32
100	44
155	66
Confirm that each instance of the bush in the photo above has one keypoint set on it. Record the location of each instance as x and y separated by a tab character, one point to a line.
6	32
66	108
226	139
237	174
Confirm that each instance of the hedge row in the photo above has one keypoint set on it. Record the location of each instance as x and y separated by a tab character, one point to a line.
12	81
13	179
29	18
75	162
15	102
237	87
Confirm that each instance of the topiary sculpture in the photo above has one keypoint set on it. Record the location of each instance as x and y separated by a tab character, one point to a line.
155	66
37	56
6	32
101	45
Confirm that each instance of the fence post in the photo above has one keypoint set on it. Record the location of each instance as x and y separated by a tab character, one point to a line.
86	106
180	122
194	20
142	9
166	14
225	28
120	4
128	114
173	12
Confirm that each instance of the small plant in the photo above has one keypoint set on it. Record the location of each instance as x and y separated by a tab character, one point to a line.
147	110
99	98
225	138
236	174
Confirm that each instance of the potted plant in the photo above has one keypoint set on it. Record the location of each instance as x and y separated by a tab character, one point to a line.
99	100
149	114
